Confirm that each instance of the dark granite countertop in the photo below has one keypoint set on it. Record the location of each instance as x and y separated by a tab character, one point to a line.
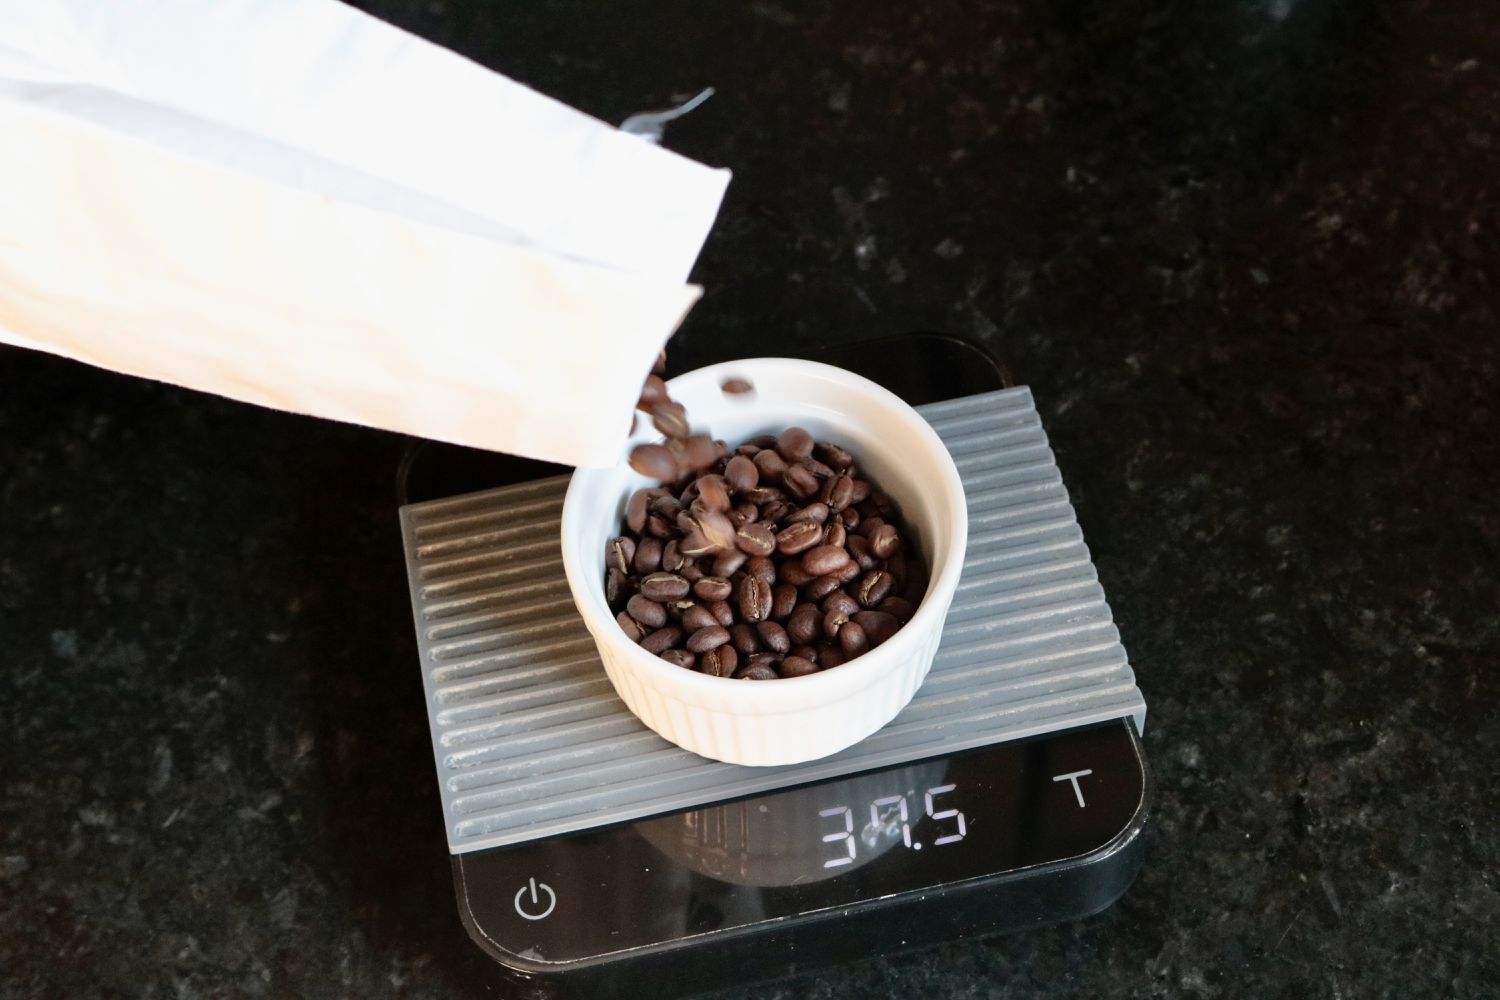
1247	254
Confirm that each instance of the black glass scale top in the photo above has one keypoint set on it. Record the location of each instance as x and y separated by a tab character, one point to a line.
910	832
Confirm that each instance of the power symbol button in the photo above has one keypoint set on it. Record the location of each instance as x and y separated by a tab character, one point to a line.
535	900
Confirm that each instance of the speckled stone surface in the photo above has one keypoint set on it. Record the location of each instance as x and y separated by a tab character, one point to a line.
1246	254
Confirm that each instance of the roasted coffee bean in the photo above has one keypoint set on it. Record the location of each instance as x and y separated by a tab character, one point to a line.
726	564
834	456
756	672
850	518
636	509
831	656
775	511
773	637
840	601
742	514
716	528
712	588
771	467
832	622
720	662
799	537
672	558
653	461
897	607
806	652
818	469
763	441
659	527
745	638
804	623
756	539
820	587
864	491
679	658
646	611
852	639
884	541
671	419
723	612
713	493
835	535
896	565
736	386
825	559
878	625
800	482
620	553
653	394
763	494
630	627
664	587
764	656
699	452
848	574
748	450
708	638
648	553
755	599
742	474
795	444
837	492
616	586
666	505
691	572
814	512
687	494
859	549
698	617
869	525
796	666
783	600
874	588
662	639
793	573
762	569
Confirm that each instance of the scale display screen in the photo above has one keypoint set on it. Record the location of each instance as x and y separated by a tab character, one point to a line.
824	846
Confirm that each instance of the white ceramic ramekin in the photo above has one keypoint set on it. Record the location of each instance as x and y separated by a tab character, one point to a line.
794	719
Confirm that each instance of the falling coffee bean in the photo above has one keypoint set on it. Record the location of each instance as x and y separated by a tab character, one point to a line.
653	461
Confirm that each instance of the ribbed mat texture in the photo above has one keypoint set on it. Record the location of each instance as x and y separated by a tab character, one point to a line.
530	740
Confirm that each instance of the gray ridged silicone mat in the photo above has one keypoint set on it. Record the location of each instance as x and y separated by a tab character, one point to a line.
530	740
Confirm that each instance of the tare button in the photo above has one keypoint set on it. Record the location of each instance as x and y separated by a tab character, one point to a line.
1074	776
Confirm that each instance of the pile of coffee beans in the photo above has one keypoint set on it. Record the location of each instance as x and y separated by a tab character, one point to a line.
772	560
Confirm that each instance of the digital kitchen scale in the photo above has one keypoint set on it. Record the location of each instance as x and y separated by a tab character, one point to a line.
593	858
